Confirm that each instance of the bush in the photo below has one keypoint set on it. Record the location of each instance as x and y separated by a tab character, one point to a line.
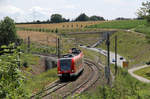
25	64
56	31
11	80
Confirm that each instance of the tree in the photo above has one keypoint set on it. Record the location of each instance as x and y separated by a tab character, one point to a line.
65	20
56	18
7	31
144	11
82	17
121	18
96	18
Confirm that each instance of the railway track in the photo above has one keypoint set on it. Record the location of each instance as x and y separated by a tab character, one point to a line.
50	89
54	87
93	77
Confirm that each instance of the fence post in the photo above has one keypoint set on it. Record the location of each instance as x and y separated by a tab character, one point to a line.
28	44
47	44
58	47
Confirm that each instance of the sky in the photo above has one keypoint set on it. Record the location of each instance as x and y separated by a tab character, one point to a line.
29	10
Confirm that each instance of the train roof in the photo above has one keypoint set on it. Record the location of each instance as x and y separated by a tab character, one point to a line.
74	52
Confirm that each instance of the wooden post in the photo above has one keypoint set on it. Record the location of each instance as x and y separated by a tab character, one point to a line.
58	48
28	44
108	59
116	55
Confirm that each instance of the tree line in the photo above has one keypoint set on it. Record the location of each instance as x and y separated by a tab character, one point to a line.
58	18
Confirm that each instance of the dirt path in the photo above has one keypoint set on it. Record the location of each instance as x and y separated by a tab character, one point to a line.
131	72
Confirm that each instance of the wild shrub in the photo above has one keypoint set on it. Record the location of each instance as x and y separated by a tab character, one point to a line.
11	79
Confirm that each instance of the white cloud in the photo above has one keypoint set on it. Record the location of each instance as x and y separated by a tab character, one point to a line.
70	6
19	15
113	1
22	10
9	9
38	13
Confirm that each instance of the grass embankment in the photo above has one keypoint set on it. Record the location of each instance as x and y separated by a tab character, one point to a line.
122	24
124	87
144	72
143	29
133	46
85	39
36	79
36	83
34	70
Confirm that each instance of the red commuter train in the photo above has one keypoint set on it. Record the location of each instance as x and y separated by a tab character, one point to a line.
70	65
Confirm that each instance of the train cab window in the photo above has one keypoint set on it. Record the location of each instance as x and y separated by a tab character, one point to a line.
65	64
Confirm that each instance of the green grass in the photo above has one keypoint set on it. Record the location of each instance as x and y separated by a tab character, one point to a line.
35	83
39	48
124	87
122	24
133	46
30	59
143	29
144	72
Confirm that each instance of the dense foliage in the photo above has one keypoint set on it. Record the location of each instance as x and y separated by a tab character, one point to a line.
57	18
144	11
82	17
11	78
96	18
7	31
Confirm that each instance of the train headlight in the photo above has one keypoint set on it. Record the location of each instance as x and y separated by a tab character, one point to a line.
72	71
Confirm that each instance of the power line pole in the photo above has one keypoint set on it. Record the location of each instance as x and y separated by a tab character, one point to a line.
108	59
56	46
116	69
58	41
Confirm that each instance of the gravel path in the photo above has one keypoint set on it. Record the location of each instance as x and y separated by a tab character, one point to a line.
136	76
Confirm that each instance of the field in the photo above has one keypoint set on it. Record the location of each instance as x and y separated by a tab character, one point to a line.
66	25
144	72
38	37
122	24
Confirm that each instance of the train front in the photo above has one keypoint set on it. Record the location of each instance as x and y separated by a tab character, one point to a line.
65	67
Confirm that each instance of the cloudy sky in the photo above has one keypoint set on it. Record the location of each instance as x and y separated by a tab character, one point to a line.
29	10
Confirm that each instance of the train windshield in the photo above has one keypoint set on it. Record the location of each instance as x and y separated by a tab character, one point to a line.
65	64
